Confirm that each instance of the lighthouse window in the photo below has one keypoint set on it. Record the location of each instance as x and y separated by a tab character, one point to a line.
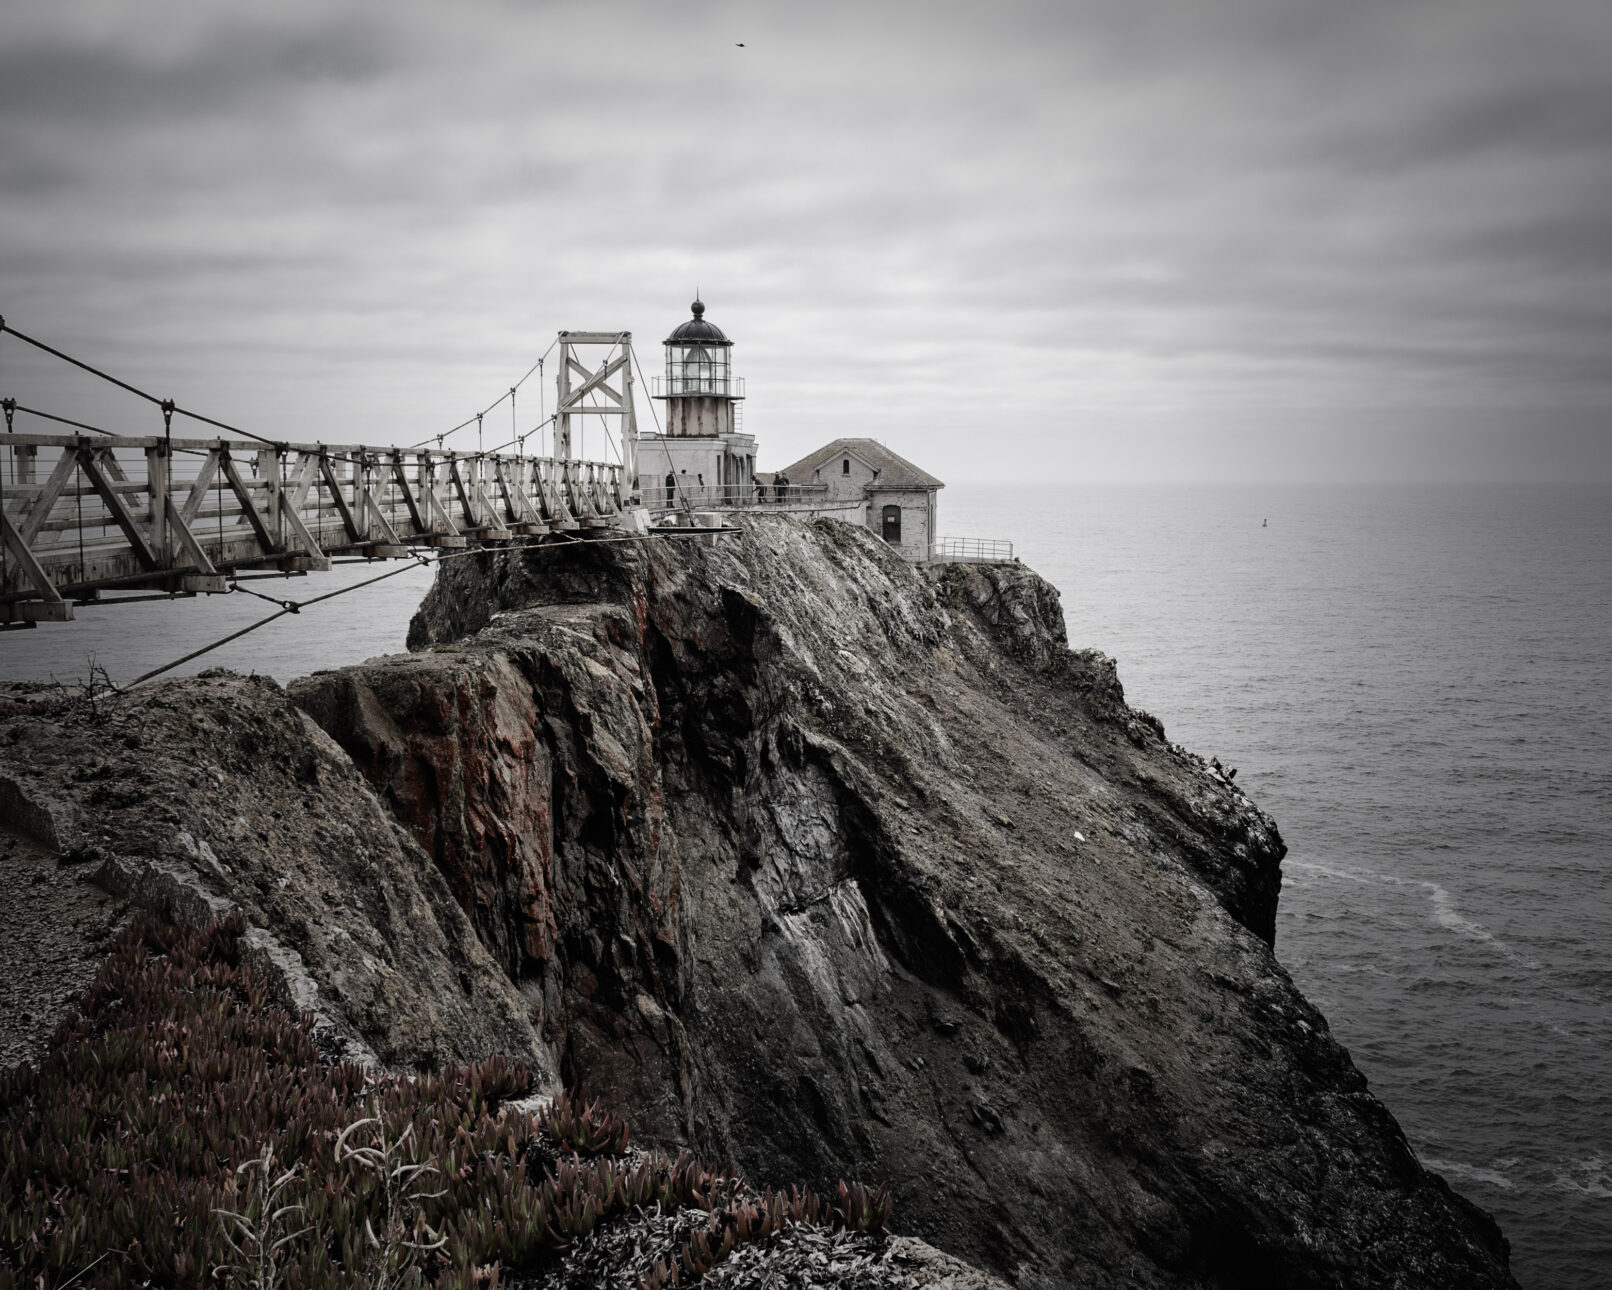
845	466
892	525
696	369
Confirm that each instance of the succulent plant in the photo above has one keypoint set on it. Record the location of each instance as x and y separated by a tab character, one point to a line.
182	1131
860	1209
582	1127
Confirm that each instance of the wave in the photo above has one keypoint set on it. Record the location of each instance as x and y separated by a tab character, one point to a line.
1444	912
1587	1176
1455	1169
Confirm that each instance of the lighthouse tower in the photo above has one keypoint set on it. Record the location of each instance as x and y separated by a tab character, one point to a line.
699	387
701	459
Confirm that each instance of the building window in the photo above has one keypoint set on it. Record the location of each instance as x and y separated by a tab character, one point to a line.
845	466
892	525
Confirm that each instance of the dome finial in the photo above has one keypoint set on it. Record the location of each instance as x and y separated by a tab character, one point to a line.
698	329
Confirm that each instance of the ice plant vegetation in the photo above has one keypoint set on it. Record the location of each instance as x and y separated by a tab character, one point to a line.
183	1131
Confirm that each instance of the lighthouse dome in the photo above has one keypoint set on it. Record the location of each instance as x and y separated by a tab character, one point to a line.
697	331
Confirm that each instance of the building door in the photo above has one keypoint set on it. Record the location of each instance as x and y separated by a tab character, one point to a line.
892	525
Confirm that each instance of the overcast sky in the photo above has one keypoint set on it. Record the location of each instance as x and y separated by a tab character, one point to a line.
1230	239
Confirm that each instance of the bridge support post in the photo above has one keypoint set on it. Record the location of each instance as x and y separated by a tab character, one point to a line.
268	464
157	484
25	457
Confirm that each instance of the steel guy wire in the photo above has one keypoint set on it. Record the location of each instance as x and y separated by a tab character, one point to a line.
296	606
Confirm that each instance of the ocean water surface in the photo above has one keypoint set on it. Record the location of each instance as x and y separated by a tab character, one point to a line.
1416	683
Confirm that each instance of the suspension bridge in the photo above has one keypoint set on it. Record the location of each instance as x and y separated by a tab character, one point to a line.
93	516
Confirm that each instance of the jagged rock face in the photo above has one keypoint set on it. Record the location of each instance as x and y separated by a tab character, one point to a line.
194	797
833	868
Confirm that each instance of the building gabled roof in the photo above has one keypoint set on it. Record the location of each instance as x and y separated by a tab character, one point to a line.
895	471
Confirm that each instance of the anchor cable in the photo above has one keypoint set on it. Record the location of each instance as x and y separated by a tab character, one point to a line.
296	606
288	607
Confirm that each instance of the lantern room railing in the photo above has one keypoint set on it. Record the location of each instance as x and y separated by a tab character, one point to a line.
728	387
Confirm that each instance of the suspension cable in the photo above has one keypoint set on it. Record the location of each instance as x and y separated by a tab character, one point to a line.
10	408
519	442
51	416
170	407
124	385
510	394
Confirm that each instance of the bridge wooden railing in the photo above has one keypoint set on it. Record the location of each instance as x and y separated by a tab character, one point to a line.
81	515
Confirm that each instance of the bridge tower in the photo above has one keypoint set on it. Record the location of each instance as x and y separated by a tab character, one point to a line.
593	396
702	458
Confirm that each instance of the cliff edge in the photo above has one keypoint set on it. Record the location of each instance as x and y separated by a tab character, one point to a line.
806	859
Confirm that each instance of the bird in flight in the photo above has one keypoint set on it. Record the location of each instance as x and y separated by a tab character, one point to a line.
739	44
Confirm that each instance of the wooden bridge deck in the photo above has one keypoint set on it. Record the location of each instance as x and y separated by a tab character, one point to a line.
80	516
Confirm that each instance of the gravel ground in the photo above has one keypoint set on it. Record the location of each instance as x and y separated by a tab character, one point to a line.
55	929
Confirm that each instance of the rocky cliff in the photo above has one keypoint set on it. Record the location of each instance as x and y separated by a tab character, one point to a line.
804	858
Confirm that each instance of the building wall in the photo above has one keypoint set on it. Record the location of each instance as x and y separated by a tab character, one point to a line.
699	416
708	470
841	484
917	517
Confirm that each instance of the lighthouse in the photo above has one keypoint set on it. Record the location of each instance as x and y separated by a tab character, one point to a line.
701	458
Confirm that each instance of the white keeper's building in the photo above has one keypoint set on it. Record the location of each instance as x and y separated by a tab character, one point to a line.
897	499
702	460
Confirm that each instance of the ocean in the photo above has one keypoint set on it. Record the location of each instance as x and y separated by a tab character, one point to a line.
1416	683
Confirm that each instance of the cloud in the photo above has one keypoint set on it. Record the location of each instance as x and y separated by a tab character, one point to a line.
97	83
361	219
